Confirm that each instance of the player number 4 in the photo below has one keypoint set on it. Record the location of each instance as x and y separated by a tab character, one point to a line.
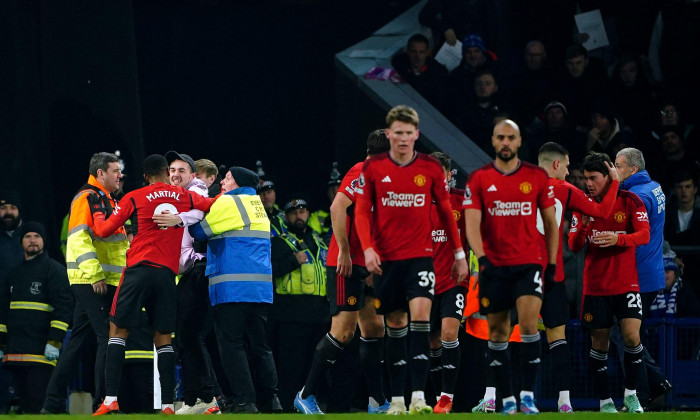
427	279
538	282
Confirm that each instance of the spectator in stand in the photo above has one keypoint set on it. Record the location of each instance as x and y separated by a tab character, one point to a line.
607	134
675	300
555	126
451	20
576	176
475	58
633	98
670	115
476	119
584	80
683	215
675	158
421	71
10	223
532	86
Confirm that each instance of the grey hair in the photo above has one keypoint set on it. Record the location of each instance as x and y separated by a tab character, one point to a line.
634	157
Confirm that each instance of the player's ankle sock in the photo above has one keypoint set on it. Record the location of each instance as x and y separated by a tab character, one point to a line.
327	351
450	365
561	365
170	406
372	361
509	399
436	369
499	362
605	401
629	392
598	366
396	357
166	371
490	393
529	360
114	361
419	349
564	398
109	400
633	365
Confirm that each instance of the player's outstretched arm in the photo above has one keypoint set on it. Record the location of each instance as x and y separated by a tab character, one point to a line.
577	233
551	233
339	222
105	228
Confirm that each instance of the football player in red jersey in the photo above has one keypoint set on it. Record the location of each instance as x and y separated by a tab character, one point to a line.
610	281
351	300
396	238
149	278
554	159
502	200
448	304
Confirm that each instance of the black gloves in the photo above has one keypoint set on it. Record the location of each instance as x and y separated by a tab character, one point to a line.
96	205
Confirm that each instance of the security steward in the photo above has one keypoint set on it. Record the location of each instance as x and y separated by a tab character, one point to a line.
268	196
320	220
35	309
240	288
94	268
301	314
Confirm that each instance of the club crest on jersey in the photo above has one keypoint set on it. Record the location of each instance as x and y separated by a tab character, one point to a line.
619	217
485	302
352	300
588	317
456	214
35	289
525	188
419	180
377	303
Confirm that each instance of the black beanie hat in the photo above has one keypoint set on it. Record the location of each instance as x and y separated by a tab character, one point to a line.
32	227
244	177
10	197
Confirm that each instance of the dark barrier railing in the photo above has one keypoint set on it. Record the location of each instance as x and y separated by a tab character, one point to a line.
674	344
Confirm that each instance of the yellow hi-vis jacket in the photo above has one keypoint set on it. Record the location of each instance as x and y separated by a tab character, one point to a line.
90	258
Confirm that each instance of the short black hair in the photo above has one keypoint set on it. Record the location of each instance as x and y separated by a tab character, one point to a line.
576	50
595	162
101	160
417	38
377	143
683	175
445	161
155	165
552	147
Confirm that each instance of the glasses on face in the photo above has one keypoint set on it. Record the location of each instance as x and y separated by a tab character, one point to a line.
668	112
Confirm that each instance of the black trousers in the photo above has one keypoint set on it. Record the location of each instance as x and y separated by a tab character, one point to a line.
89	319
136	388
194	322
240	330
293	344
30	385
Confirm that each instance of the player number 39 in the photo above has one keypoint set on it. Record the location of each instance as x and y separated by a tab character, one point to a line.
427	279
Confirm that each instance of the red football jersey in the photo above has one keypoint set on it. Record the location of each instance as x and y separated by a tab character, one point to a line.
567	196
443	254
347	187
151	243
401	196
509	204
612	270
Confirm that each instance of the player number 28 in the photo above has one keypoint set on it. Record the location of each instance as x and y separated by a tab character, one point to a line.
635	300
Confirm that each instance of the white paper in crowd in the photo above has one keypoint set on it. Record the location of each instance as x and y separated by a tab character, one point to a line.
591	23
449	55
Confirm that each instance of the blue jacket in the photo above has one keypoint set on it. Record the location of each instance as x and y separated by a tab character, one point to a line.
238	251
650	259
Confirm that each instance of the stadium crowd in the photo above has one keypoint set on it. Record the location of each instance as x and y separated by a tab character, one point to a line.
404	286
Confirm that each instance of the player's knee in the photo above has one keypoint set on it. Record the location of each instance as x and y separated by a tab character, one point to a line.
344	335
448	335
372	329
631	339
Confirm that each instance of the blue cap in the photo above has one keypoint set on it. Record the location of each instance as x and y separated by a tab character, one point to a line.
473	40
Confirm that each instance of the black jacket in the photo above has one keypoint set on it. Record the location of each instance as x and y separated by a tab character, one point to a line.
35	306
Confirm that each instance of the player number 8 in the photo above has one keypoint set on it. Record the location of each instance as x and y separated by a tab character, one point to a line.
460	303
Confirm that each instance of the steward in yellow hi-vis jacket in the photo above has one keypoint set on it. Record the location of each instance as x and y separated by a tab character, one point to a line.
240	287
94	268
35	309
300	312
